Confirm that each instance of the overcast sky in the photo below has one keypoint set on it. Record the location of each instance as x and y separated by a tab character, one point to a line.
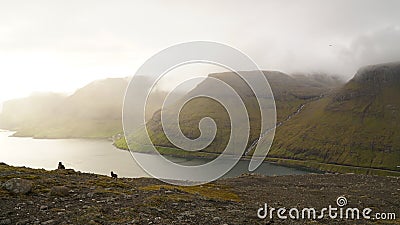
61	45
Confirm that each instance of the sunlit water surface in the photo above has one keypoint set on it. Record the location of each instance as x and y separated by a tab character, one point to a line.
99	156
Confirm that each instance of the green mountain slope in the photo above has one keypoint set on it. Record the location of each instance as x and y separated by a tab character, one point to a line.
359	125
320	121
290	94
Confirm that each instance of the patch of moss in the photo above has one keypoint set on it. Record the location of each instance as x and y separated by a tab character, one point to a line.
108	183
207	191
22	176
97	215
156	200
4	192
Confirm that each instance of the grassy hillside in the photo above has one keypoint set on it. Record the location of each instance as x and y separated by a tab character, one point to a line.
290	94
358	125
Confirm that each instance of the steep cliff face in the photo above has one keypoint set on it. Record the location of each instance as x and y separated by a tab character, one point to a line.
370	81
290	94
380	75
358	125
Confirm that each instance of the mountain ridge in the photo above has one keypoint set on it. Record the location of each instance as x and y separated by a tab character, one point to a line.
356	125
78	115
322	120
289	93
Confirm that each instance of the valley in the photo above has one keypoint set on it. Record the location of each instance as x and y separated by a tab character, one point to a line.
322	122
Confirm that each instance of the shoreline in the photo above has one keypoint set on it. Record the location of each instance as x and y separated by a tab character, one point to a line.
311	166
243	158
294	163
15	134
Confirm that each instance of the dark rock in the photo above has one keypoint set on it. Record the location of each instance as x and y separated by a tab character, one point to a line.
216	218
92	222
22	222
48	222
18	186
60	191
5	221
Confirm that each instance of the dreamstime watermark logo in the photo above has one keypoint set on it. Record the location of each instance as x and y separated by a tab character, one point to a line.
341	201
330	212
136	99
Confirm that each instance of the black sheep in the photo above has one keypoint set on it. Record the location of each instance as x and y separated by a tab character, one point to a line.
114	175
61	166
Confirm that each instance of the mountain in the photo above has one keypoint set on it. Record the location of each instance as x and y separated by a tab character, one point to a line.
290	93
93	111
357	125
321	122
38	106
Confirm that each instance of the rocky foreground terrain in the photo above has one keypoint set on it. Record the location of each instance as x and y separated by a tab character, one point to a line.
31	196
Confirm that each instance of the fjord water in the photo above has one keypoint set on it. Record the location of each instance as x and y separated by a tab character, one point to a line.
98	156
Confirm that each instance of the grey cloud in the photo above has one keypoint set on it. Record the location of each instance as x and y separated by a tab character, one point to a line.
376	47
292	36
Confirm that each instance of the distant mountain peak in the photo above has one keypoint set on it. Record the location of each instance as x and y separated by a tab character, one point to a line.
387	73
370	81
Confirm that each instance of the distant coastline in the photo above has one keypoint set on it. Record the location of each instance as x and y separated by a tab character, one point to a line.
288	162
294	163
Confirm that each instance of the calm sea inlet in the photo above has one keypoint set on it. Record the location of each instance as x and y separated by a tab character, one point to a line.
100	157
